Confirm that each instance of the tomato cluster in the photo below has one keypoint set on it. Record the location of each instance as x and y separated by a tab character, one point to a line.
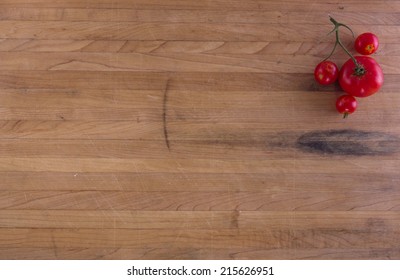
359	76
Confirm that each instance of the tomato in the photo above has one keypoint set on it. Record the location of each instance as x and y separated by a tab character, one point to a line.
361	81
326	72
346	104
366	43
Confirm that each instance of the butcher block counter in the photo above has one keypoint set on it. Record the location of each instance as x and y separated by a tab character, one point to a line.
187	129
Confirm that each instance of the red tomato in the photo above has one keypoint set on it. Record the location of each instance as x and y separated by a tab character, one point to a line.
326	72
366	43
361	81
346	104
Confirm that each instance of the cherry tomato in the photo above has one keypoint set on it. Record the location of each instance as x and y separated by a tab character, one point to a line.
346	104
361	81
326	72
366	43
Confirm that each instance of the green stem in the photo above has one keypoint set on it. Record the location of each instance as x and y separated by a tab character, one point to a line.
333	50
359	69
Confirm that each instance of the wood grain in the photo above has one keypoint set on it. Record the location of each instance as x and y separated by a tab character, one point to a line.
154	129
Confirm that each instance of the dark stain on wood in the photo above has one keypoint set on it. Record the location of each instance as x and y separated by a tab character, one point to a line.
348	142
164	114
377	224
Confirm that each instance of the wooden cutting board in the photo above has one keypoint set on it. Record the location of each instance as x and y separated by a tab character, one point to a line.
153	129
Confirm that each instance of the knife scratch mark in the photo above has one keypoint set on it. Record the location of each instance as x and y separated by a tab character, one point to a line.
55	248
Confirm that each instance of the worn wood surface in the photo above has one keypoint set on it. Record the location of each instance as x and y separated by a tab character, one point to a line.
169	129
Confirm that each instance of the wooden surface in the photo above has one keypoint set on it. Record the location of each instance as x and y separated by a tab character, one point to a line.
169	129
